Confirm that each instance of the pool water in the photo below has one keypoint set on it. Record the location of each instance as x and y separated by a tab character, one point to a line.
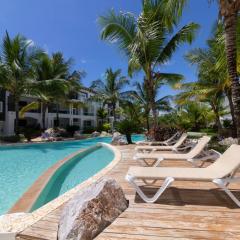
20	166
74	172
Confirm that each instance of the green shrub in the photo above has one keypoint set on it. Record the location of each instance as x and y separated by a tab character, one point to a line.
11	139
227	123
30	131
127	127
163	132
213	144
71	129
106	127
89	130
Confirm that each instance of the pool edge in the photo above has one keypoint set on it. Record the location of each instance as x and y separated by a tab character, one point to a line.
31	218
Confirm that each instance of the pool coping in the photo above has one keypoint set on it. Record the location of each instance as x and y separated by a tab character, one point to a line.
19	224
23	144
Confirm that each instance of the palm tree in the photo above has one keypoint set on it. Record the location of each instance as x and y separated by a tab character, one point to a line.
213	79
140	95
53	84
194	115
229	10
203	91
148	40
109	90
102	114
16	71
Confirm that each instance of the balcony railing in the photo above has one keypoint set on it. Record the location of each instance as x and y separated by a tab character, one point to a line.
88	114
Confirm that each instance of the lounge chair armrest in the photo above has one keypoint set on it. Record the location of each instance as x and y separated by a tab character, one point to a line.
184	147
218	154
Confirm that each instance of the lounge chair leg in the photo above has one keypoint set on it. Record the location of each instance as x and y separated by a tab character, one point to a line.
154	164
222	183
158	161
168	181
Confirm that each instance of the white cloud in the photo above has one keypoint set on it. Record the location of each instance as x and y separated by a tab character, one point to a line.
169	63
83	61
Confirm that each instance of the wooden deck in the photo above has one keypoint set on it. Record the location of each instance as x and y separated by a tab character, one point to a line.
185	211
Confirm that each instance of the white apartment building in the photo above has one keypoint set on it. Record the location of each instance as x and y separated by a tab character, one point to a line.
71	114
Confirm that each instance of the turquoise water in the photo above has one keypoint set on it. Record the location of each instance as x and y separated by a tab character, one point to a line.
77	170
20	166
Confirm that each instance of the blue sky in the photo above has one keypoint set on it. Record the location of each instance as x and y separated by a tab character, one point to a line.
71	26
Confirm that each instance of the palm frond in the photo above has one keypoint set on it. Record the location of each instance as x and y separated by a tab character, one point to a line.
119	28
27	108
185	35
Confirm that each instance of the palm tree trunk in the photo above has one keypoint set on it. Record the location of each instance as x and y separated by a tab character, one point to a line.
17	116
44	109
217	119
148	124
151	96
230	22
229	96
129	138
57	115
114	113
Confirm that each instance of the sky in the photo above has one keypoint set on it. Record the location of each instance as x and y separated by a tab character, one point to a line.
71	26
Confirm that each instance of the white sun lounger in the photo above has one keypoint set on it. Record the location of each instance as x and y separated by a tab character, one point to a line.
174	147
221	173
172	140
197	154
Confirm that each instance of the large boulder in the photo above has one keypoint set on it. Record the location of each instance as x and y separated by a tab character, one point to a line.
104	134
118	139
92	210
95	134
228	141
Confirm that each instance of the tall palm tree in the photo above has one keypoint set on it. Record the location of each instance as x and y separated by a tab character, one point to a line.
149	40
16	69
229	10
109	91
140	95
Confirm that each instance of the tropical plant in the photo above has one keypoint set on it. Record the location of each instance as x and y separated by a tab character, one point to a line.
106	127
53	84
102	114
140	95
189	116
213	80
148	40
127	127
16	71
109	91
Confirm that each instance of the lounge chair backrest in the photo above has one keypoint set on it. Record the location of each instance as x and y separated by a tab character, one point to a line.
228	163
202	142
172	137
181	140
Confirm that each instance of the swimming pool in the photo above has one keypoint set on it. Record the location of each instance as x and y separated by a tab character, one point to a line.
71	173
21	165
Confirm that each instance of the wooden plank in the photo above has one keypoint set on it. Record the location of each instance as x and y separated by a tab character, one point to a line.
188	210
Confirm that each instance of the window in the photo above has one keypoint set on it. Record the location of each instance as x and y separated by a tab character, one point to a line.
87	123
76	111
1	107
